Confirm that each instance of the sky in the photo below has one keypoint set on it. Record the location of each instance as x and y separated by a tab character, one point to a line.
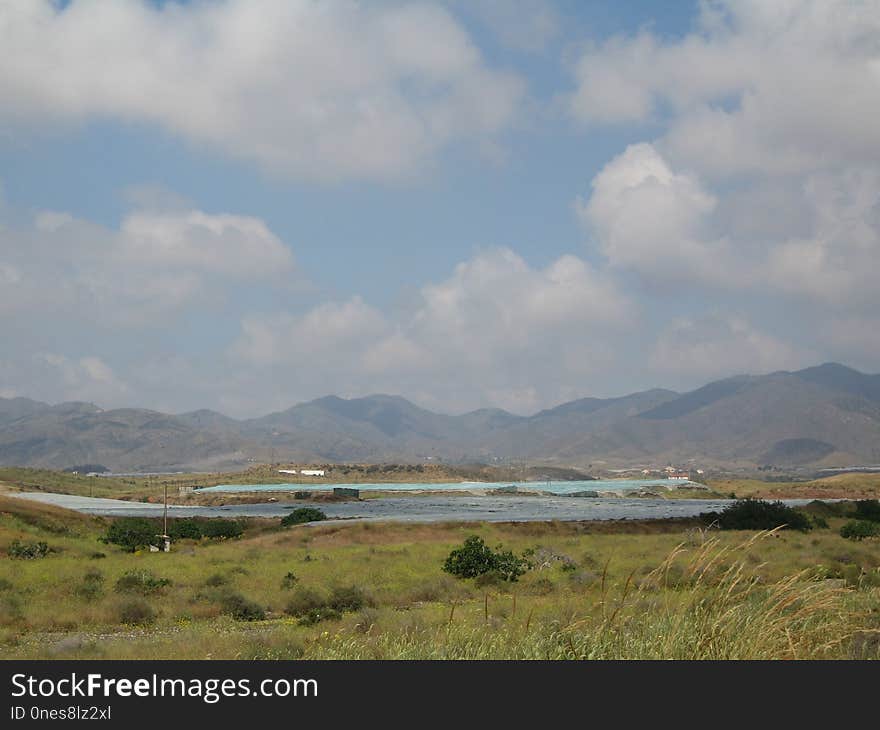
246	204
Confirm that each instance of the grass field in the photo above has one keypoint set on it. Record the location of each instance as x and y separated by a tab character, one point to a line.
597	590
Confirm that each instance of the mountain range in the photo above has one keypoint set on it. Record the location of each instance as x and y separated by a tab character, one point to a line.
827	415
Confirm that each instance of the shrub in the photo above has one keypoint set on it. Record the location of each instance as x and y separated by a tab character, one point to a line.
859	530
217	579
316	615
91	586
868	509
188	529
136	612
475	558
132	533
302	515
28	550
757	514
347	598
140	581
304	600
288	581
222	529
241	608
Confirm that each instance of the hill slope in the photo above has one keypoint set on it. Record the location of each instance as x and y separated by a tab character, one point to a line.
824	415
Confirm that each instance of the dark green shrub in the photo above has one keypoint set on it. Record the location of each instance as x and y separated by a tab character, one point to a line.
28	550
347	598
97	555
316	615
867	509
288	581
91	586
222	529
241	608
136	612
188	529
140	581
475	558
757	514
859	529
302	515
216	580
304	600
132	533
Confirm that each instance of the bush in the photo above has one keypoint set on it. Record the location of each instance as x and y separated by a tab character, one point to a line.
222	529
304	600
195	529
475	558
216	580
868	509
140	581
28	550
859	529
302	515
347	598
288	581
757	514
132	533
188	529
241	608
136	612
91	586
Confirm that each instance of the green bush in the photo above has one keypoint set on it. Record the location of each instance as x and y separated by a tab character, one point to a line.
859	529
475	558
140	581
136	612
28	550
757	514
216	580
92	585
868	509
222	529
347	598
316	615
241	608
132	533
302	515
187	529
304	600
289	581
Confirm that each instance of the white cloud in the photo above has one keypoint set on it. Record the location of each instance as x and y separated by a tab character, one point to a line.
496	332
328	91
86	379
766	88
650	219
717	345
155	263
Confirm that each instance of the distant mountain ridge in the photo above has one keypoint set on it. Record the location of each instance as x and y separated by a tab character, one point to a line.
826	415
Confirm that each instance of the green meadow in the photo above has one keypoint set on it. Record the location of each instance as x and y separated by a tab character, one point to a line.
366	590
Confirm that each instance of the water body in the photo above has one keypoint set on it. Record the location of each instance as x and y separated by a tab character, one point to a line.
599	485
432	508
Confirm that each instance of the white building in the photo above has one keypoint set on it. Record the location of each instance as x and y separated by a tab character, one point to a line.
312	472
287	471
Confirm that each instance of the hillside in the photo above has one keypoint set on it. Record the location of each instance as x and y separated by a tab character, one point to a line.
821	416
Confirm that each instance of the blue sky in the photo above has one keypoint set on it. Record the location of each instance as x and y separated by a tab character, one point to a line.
245	205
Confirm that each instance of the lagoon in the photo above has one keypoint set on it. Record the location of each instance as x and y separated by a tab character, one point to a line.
554	487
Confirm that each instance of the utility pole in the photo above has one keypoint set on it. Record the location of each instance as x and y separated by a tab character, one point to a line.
165	538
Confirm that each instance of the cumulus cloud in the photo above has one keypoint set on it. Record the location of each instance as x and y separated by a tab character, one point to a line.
716	345
651	219
496	332
758	87
328	91
152	265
